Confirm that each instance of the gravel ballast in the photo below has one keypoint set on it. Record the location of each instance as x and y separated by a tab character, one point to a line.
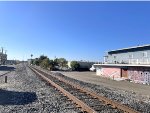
27	93
131	99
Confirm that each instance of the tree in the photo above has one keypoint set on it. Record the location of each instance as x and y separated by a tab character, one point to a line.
31	56
51	64
32	61
36	62
42	57
62	62
45	63
56	61
75	65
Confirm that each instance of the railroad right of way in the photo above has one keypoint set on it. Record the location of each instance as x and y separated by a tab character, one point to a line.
93	102
114	95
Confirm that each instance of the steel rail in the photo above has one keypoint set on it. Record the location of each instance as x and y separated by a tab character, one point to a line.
114	104
107	101
80	103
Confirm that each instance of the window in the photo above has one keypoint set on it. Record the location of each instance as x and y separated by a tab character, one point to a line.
144	54
114	56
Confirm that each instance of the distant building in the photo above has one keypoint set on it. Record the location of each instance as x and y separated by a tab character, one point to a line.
129	63
83	64
12	62
3	58
29	61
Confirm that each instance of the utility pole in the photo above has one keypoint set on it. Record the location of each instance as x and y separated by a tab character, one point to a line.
31	62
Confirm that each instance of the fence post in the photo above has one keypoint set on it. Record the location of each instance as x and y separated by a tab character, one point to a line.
5	79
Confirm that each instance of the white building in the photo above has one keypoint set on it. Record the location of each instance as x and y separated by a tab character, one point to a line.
11	62
83	64
3	58
128	63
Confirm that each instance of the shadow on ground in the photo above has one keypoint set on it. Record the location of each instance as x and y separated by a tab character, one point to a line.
6	68
16	98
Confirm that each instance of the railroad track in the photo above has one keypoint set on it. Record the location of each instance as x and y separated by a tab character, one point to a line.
88	101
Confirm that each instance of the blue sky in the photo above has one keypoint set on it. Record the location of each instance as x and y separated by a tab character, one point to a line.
73	30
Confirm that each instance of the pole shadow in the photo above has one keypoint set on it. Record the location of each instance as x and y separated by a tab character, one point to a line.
16	98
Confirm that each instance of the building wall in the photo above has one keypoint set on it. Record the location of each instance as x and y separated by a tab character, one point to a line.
3	58
110	72
135	57
135	74
82	64
139	75
10	62
29	61
98	71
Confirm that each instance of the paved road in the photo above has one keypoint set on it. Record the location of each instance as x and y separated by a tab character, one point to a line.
91	77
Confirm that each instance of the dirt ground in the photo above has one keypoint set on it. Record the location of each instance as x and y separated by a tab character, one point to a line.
91	77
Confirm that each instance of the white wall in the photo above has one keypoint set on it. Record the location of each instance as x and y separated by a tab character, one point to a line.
82	64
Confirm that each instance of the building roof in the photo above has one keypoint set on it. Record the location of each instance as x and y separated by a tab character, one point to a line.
135	48
123	65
